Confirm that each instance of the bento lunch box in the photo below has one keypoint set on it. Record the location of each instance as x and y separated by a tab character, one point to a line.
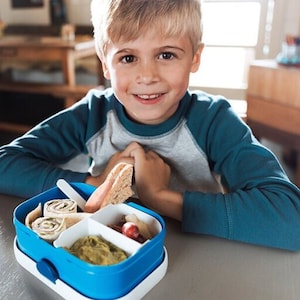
145	265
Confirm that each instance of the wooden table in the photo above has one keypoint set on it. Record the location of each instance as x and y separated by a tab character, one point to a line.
49	49
273	100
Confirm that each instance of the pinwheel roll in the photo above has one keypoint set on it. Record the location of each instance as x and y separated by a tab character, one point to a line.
48	228
60	208
64	208
34	214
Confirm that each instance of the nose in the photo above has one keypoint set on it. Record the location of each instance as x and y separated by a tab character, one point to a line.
147	73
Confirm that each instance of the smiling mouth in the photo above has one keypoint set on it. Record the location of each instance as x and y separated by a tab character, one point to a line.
149	97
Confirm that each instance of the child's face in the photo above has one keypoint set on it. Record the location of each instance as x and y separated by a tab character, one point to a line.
150	75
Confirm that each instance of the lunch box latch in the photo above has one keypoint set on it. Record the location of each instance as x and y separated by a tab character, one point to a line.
46	268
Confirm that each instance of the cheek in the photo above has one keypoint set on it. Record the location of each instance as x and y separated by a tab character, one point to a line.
119	81
180	78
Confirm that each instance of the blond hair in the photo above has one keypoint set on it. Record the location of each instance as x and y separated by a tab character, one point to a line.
126	20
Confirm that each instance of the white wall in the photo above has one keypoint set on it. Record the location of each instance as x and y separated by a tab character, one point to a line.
78	13
292	17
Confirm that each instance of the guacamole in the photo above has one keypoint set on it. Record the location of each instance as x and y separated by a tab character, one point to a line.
96	250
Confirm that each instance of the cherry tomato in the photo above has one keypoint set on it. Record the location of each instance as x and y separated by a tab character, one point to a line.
130	230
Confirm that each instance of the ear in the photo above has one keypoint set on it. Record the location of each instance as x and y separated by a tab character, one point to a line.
197	59
105	70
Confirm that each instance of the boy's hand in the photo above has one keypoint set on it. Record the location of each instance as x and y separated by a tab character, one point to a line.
121	156
152	176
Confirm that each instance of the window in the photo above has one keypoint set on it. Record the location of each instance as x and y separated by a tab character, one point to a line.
234	33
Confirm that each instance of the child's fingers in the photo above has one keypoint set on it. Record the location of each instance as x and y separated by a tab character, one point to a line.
152	154
134	149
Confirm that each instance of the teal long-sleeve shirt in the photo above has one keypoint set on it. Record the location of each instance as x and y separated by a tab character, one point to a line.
205	144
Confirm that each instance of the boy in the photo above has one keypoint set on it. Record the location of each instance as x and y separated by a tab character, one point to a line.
183	145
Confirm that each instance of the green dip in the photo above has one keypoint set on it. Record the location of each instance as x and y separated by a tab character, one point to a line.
96	250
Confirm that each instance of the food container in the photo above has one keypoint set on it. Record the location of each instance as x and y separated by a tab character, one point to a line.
130	279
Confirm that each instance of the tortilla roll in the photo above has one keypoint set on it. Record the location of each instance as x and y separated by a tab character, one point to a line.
48	228
34	214
64	208
59	207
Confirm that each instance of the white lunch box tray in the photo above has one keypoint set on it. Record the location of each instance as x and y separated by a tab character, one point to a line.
68	292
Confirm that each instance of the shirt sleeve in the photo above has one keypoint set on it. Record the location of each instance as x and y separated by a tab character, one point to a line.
30	164
260	206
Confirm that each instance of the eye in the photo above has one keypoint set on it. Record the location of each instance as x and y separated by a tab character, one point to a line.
166	55
127	59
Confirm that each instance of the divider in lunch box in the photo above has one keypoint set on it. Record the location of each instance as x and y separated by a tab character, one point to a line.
112	214
88	227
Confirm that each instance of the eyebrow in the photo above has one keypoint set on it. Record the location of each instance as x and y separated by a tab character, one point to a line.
168	47
159	49
124	51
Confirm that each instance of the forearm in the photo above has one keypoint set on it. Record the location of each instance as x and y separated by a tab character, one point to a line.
267	216
27	177
167	203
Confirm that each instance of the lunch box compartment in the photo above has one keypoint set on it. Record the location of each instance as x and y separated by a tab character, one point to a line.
88	227
112	214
